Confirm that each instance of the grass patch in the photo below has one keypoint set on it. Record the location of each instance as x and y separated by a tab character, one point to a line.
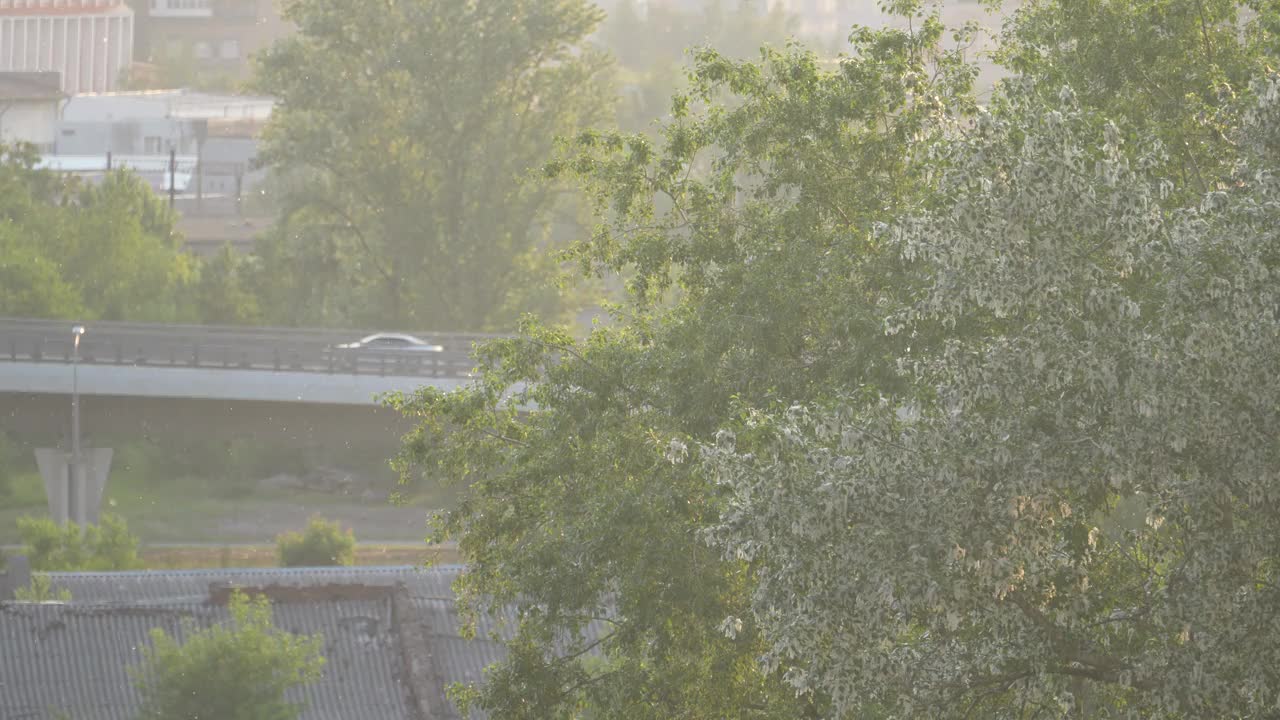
24	496
25	490
192	492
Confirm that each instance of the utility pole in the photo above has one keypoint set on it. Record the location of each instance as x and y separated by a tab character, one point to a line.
173	176
75	479
200	178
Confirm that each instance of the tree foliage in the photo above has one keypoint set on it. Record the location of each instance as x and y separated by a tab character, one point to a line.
76	250
322	543
106	546
107	251
911	411
41	590
231	289
575	510
404	132
1167	68
1108	361
237	671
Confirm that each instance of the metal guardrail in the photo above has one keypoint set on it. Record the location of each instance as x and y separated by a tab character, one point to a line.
232	348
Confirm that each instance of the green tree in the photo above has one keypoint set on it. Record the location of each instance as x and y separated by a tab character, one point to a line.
226	291
106	546
122	252
322	543
30	282
1106	360
748	235
404	134
237	671
1168	68
73	250
41	590
844	240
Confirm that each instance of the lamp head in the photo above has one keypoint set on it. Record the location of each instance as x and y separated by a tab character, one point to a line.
77	331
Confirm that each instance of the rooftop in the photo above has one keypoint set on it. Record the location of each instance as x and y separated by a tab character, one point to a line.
176	103
393	640
31	86
55	8
73	658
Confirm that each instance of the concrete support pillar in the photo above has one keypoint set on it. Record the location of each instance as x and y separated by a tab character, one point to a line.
74	489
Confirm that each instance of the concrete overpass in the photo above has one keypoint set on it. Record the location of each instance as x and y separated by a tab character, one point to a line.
172	384
221	363
258	385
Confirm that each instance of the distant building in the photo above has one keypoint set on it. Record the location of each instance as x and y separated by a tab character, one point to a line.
209	37
214	141
157	122
30	104
90	42
151	104
214	137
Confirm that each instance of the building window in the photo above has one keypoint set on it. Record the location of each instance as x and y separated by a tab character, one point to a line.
229	50
203	50
181	8
153	145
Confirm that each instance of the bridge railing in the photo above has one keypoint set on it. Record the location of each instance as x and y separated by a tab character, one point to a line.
233	348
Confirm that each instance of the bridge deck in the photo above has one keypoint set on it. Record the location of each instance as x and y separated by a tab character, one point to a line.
186	361
209	383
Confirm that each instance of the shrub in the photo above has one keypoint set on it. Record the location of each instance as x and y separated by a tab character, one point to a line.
41	590
322	543
238	671
24	490
106	546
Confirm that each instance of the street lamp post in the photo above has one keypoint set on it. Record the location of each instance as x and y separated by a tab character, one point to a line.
75	477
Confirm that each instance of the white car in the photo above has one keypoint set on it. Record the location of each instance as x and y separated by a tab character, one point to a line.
391	341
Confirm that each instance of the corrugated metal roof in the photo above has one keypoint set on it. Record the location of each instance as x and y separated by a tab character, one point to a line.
92	639
167	586
74	658
458	659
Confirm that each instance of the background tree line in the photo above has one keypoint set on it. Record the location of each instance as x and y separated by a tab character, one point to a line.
106	251
407	150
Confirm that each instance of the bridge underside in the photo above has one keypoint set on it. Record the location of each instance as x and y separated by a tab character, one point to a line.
44	420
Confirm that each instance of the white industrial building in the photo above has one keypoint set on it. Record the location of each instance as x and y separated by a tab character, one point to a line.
90	42
30	107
